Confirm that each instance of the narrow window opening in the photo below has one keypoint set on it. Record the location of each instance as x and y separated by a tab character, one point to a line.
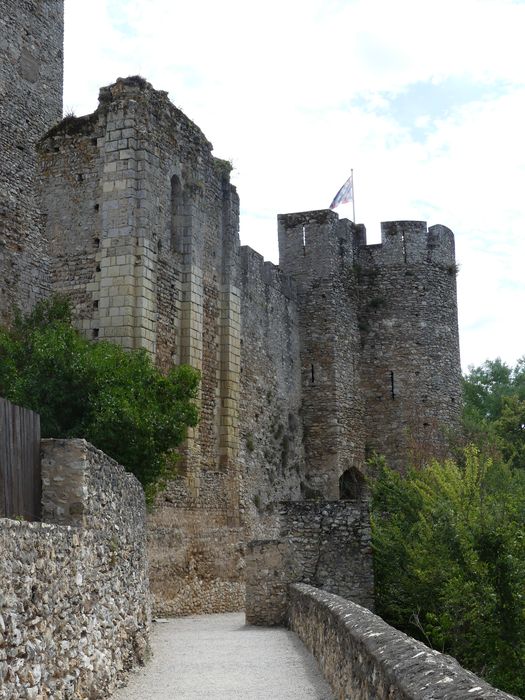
304	240
404	244
95	333
96	241
80	177
313	375
392	385
97	269
96	207
95	304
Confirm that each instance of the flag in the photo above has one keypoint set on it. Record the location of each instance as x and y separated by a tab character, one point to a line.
345	194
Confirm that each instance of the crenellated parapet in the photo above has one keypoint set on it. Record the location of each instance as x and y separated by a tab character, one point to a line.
314	244
409	243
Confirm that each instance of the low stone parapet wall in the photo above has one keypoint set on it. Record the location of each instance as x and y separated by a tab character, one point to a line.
362	657
74	597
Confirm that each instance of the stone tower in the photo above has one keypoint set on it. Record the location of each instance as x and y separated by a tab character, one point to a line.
410	365
379	344
31	73
318	251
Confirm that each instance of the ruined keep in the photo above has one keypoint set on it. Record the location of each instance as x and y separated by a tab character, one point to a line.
307	367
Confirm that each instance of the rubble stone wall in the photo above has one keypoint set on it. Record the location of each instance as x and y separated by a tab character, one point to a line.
325	544
196	561
74	598
363	657
31	58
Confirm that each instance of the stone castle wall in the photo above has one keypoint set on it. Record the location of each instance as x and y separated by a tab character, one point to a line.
145	220
74	604
271	435
143	225
31	60
326	544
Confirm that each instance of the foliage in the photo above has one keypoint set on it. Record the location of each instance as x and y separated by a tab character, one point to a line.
449	548
494	408
115	399
486	387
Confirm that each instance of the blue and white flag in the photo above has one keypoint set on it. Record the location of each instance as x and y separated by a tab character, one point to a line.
345	194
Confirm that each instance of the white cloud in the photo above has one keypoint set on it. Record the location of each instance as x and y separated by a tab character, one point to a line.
274	86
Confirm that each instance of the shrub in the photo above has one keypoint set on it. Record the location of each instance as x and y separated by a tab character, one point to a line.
115	399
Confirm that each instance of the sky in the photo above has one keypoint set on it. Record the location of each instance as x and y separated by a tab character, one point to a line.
423	99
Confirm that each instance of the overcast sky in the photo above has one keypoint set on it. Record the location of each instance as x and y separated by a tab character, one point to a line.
424	99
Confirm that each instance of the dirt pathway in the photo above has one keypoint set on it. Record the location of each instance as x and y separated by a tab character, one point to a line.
218	656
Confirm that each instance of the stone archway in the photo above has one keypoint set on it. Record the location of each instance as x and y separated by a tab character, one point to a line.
352	485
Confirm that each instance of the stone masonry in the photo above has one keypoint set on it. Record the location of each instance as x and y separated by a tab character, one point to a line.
74	595
362	657
31	68
324	544
307	367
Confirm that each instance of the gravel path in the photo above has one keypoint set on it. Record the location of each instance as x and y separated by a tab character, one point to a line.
218	656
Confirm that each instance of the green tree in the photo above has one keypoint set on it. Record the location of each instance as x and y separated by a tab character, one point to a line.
449	556
486	387
494	408
117	400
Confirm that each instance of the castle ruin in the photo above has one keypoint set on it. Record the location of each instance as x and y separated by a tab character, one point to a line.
307	367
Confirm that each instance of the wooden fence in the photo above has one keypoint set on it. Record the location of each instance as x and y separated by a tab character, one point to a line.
20	477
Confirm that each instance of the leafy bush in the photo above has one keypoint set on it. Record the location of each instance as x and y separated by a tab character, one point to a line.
117	400
449	556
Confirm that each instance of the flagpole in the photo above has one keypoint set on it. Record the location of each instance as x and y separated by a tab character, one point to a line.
353	195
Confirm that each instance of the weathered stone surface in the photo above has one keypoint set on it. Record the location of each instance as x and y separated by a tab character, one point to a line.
410	370
74	601
31	57
325	544
196	562
362	657
268	574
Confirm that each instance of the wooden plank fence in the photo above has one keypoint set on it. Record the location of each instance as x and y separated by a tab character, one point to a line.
20	476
